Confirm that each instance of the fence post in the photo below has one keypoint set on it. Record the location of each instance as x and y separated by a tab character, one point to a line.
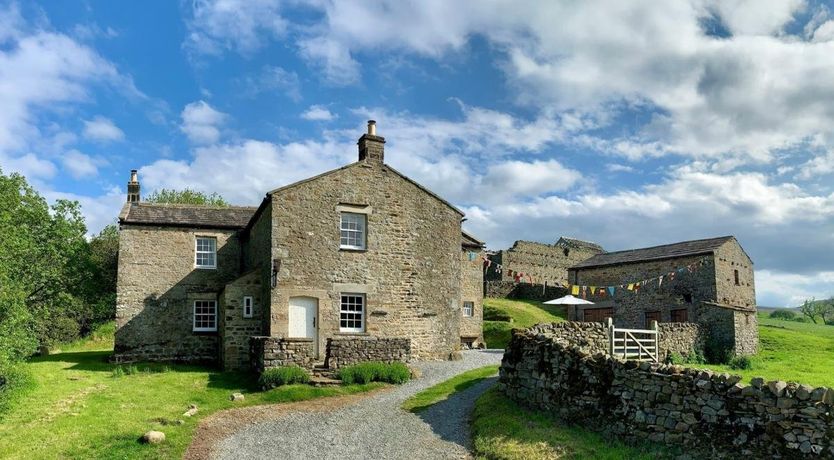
611	336
656	342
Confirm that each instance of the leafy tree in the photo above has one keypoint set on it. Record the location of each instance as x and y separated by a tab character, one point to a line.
186	196
822	309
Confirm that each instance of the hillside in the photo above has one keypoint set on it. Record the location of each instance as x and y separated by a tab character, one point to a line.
521	313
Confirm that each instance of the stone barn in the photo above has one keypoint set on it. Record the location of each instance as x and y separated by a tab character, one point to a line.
356	263
708	282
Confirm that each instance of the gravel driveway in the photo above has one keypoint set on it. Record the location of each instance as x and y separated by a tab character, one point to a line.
374	427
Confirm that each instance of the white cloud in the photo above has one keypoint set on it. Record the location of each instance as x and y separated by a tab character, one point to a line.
318	113
238	25
79	165
28	165
274	78
201	122
102	129
529	178
333	60
776	288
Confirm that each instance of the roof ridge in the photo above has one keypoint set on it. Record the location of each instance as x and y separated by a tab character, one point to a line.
188	205
665	245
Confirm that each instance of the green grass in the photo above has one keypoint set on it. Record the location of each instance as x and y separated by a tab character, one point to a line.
791	351
502	429
525	313
79	409
442	391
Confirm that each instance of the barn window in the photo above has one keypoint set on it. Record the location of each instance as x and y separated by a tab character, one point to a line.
248	304
680	315
735	272
652	316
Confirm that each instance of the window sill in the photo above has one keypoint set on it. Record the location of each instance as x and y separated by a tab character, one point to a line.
348	333
205	268
204	332
353	249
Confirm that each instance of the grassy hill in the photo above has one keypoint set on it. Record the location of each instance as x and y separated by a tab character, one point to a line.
521	313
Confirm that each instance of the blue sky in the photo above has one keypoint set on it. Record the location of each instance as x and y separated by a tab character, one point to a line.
626	123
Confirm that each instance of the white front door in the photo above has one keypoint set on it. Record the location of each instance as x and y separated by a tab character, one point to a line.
304	318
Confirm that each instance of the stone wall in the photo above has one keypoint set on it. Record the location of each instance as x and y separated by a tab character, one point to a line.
513	290
472	290
346	351
410	271
544	262
269	352
157	286
704	413
235	330
681	338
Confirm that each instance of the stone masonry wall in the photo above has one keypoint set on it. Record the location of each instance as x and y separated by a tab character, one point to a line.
410	272
343	352
544	262
513	290
235	330
157	285
472	290
269	352
704	413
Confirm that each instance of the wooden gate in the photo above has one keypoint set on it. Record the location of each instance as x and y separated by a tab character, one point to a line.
635	344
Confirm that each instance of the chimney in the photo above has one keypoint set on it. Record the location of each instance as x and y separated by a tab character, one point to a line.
371	146
133	195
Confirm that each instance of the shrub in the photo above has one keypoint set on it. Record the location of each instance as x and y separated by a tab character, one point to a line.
118	371
741	363
495	314
15	381
375	372
284	375
786	315
695	357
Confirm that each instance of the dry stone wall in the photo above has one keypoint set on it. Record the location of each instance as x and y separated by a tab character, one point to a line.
346	351
703	413
269	352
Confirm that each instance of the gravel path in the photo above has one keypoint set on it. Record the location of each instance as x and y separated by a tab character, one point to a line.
374	427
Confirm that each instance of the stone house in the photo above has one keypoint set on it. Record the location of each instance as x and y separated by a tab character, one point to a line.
539	263
360	262
708	282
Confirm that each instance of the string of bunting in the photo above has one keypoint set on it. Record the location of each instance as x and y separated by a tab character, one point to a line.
601	291
609	291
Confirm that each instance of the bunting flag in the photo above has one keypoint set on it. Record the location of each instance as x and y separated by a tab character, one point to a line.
659	280
610	291
574	290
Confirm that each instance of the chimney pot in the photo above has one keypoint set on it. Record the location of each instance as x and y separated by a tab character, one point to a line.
133	193
371	146
372	127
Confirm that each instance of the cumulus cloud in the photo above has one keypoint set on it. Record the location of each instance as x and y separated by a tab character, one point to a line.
216	26
201	122
79	165
318	113
274	78
102	129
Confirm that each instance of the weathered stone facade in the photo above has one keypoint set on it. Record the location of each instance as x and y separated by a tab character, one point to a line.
413	272
540	263
269	352
346	351
700	295
705	413
519	290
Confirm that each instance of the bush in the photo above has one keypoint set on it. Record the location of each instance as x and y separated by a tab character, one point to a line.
786	315
375	372
118	371
692	358
284	375
495	314
15	381
741	363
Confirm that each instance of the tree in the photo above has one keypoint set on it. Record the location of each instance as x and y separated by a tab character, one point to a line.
186	196
822	309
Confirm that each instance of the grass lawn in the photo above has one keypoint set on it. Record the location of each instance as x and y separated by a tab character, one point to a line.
78	409
791	351
525	313
443	390
504	430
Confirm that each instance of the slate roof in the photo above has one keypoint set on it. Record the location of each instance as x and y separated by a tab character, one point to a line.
469	241
179	215
666	251
575	243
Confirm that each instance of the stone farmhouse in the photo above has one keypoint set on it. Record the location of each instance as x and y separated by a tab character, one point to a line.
358	263
711	284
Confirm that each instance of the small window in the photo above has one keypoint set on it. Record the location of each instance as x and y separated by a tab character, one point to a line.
205	315
206	253
566	251
352	313
352	231
735	272
652	316
680	315
247	306
687	298
468	308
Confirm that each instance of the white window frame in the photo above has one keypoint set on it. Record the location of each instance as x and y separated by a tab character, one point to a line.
344	309
202	315
198	252
470	311
346	230
248	306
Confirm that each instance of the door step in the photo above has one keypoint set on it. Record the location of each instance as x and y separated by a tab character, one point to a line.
322	381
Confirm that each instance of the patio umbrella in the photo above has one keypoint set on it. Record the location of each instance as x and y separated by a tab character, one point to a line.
568	300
